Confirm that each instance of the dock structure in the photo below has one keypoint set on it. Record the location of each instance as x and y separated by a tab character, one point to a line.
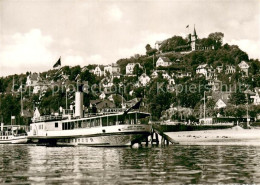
165	139
157	137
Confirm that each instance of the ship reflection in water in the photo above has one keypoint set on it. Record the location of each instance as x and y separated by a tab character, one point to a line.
174	164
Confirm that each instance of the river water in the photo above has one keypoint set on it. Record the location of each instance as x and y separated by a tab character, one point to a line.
179	164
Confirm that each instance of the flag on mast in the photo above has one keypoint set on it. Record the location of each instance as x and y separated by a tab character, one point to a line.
57	64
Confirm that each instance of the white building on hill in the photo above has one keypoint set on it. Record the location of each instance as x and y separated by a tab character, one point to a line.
130	68
97	71
163	61
244	67
112	69
144	79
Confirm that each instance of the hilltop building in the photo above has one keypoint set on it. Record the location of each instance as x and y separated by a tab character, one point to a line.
193	40
33	79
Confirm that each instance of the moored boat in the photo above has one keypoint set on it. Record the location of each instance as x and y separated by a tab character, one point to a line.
118	128
12	134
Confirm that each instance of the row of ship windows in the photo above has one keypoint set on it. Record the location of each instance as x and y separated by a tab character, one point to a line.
4	137
93	123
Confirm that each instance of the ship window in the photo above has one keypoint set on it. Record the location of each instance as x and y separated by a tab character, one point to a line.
56	125
111	120
79	122
63	126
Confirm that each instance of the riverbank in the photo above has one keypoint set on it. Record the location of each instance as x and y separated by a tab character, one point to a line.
232	136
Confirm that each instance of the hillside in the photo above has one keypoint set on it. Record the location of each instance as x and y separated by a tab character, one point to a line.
49	92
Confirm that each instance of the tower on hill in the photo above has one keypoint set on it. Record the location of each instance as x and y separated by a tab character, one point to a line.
193	40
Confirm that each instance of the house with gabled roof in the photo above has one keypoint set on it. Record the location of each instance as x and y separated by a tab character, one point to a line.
97	71
244	67
221	98
220	104
163	61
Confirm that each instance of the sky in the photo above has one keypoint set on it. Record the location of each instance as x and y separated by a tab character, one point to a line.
34	34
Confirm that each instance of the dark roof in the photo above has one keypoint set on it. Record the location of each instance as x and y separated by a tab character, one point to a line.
101	104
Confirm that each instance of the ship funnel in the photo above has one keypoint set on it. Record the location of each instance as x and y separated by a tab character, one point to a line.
79	104
2	126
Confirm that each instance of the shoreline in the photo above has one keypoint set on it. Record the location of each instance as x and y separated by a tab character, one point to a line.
232	136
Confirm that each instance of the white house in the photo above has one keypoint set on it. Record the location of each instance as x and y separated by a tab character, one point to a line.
144	79
163	61
97	71
112	69
33	79
256	97
220	104
154	74
130	68
244	67
202	69
206	70
230	69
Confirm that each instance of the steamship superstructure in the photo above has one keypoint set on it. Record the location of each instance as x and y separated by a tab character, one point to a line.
109	128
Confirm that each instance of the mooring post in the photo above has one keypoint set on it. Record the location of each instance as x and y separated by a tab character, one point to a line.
152	137
146	141
157	139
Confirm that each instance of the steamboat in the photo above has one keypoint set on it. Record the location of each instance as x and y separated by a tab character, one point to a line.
107	128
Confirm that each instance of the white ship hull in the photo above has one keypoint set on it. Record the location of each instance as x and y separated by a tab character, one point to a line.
116	135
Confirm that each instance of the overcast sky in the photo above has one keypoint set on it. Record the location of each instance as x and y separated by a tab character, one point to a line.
34	34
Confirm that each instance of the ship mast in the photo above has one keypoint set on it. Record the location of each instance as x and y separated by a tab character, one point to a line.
22	100
204	99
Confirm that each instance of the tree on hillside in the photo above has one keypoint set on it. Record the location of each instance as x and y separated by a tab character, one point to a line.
138	71
238	98
9	107
149	50
217	39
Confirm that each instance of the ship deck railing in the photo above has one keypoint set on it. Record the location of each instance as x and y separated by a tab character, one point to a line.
47	118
